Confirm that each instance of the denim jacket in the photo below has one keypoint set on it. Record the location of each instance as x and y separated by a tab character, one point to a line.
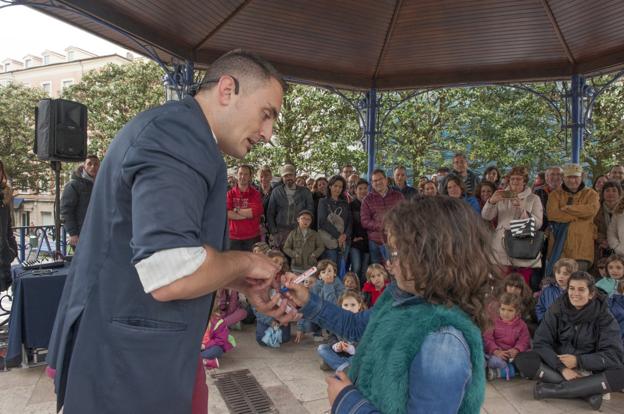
439	373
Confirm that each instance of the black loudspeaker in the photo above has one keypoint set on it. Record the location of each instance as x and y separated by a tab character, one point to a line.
61	130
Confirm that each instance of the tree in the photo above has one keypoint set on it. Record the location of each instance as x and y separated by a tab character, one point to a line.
17	134
316	131
114	94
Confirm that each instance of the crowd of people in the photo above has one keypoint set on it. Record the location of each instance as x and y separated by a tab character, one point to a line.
572	284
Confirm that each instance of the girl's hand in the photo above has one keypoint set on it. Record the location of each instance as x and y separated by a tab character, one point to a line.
501	354
298	337
570	374
335	384
568	360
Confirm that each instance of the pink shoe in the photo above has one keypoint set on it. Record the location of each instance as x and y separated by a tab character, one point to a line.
50	372
211	363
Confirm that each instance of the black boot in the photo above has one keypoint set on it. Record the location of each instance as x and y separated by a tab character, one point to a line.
547	374
587	388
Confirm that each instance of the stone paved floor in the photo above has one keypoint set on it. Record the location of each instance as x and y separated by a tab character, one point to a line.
292	379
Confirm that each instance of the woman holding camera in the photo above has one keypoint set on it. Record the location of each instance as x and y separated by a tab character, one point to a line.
516	201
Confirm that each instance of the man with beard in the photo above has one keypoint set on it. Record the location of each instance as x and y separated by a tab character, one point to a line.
287	200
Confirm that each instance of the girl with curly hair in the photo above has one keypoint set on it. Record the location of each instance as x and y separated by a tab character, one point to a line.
420	348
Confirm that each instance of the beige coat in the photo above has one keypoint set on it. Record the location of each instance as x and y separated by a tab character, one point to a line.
579	244
615	233
504	212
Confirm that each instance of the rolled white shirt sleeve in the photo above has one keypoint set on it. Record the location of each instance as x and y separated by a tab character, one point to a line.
167	266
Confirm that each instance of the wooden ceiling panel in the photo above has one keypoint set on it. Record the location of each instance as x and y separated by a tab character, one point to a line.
391	43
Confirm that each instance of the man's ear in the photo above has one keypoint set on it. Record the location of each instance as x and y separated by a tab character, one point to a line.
225	89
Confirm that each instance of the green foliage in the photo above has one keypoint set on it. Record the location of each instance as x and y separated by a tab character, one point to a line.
316	131
17	134
114	95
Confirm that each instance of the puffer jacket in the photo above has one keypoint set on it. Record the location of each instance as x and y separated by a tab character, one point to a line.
504	211
507	335
590	333
74	202
616	306
547	297
579	244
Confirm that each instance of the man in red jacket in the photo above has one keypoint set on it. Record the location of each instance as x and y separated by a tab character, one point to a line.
244	210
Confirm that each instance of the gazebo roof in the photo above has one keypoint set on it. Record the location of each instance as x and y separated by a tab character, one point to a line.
392	44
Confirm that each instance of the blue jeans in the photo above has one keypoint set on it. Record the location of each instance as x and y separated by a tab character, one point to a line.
359	263
331	254
212	352
378	252
332	359
262	327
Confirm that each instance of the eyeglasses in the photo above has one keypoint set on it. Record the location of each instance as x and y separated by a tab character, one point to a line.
236	83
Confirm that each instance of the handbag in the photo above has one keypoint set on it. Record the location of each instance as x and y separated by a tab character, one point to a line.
522	241
337	221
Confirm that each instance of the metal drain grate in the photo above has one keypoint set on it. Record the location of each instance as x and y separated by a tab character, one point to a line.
242	393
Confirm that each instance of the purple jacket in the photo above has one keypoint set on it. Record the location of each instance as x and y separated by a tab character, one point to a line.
227	301
217	334
374	207
507	335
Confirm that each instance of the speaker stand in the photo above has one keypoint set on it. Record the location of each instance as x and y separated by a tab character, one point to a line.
56	166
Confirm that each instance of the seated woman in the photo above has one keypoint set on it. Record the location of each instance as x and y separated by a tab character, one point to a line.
456	188
577	350
420	348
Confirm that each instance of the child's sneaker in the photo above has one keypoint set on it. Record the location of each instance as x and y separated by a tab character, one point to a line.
491	374
211	363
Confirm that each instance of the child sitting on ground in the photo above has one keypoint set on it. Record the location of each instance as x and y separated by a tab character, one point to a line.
261	248
376	281
616	306
329	287
217	340
514	283
336	355
351	281
563	269
615	274
601	265
304	246
231	310
303	325
507	339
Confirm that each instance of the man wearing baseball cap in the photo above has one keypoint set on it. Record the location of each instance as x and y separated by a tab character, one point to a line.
287	200
571	210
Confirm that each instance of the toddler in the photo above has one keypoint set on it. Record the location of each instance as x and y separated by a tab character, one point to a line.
514	283
329	287
376	281
260	248
601	265
615	274
230	308
303	245
351	281
336	355
507	339
217	340
616	306
563	269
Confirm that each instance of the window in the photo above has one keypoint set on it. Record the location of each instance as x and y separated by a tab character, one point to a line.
70	55
66	83
47	87
46	218
26	219
28	63
7	67
46	60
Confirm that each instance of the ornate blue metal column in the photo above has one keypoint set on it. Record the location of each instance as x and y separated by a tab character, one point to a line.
577	116
371	128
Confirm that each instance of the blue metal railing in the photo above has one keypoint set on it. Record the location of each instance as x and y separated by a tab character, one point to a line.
37	242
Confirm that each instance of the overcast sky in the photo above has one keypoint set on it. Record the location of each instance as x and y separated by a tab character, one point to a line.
26	31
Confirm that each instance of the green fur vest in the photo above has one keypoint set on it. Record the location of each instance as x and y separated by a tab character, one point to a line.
384	381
